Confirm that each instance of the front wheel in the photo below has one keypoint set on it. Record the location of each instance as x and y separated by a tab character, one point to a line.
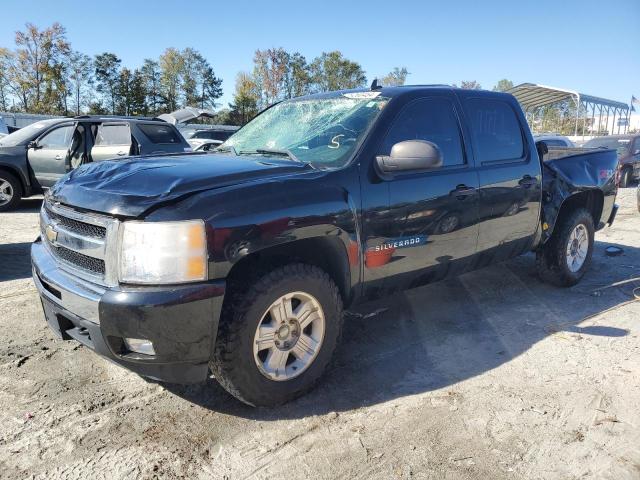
10	191
564	259
276	340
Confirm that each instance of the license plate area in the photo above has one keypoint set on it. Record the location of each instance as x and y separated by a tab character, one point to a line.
64	325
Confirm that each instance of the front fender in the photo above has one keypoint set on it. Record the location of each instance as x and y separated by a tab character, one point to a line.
248	219
15	161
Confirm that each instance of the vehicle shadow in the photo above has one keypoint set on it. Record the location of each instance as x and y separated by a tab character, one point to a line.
15	261
435	336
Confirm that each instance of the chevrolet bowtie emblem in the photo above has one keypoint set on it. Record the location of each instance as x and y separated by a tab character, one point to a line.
52	234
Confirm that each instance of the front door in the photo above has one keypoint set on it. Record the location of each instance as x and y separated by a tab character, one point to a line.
48	158
430	228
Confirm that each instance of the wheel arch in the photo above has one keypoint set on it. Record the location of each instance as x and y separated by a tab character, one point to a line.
326	252
592	200
13	170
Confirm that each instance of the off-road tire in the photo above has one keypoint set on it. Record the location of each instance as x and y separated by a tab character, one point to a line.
17	190
551	260
233	363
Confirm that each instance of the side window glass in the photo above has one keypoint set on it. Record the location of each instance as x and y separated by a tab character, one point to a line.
57	139
431	119
113	135
160	134
495	130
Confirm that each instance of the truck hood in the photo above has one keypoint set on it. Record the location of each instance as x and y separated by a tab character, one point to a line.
131	187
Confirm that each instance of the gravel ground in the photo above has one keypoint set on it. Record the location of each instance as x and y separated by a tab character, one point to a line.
491	375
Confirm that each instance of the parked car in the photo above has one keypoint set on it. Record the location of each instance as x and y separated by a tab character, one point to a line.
210	136
4	130
554	140
207	146
38	155
628	148
241	262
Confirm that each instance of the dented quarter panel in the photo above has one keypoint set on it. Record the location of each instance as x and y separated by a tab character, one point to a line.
581	172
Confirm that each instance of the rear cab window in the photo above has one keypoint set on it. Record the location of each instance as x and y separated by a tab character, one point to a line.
495	130
160	134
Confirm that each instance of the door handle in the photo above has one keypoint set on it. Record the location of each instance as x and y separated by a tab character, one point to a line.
120	153
58	157
527	181
463	191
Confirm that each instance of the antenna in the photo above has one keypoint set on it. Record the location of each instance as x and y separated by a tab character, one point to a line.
374	85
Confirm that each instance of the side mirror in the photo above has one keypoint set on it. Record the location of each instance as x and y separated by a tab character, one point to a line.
410	155
542	148
33	144
637	152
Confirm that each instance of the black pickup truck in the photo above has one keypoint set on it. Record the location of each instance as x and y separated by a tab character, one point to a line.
241	262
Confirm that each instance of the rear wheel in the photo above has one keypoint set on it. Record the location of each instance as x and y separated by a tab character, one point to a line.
276	340
564	259
10	191
625	177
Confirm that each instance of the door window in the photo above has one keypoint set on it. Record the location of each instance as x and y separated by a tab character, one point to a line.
431	119
113	135
57	139
160	134
495	129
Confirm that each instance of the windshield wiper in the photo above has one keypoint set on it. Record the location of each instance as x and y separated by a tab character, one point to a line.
281	152
227	148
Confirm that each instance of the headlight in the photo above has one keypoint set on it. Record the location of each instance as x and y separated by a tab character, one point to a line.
163	252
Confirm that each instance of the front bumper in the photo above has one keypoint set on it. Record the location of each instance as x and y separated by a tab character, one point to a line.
180	320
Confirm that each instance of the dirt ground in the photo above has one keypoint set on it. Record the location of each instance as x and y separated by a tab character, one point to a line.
491	375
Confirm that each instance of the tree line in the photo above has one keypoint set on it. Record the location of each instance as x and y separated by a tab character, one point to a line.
44	74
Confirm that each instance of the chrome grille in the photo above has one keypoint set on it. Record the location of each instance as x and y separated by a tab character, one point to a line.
83	243
94	231
94	265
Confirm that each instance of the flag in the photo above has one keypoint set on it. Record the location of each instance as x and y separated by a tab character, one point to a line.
634	101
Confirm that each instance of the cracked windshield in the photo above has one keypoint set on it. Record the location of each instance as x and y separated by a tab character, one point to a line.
320	131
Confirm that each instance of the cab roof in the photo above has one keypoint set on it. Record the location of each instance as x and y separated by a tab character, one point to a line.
398	91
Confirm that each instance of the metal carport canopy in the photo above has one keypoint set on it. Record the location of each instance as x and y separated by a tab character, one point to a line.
531	95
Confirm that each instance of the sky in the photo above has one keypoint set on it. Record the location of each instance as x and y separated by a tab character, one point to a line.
589	46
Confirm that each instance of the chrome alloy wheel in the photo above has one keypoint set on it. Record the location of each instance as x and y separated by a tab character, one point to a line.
577	247
289	336
6	192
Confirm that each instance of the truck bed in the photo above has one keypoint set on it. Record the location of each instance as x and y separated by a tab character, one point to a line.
566	171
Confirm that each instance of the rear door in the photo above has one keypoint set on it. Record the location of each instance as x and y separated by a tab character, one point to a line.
48	159
113	140
510	178
430	228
